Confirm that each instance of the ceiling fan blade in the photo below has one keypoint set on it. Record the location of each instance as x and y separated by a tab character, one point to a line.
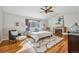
42	9
49	8
46	7
51	11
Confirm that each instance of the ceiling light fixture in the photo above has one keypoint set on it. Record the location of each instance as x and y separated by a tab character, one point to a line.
47	9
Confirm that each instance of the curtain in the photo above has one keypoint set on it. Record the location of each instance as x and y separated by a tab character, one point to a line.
27	24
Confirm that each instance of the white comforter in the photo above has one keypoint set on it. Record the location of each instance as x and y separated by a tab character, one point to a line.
37	35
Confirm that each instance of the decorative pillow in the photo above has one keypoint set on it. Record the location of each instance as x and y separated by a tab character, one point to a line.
32	29
14	33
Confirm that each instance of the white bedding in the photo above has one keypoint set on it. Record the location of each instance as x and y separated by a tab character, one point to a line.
37	35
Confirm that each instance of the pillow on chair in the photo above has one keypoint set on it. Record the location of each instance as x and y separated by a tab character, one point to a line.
14	33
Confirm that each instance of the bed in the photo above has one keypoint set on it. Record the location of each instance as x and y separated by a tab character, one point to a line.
40	34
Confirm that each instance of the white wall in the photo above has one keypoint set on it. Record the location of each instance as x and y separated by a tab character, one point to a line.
1	23
9	22
69	20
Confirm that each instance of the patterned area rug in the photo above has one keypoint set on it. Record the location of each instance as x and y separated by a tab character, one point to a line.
44	44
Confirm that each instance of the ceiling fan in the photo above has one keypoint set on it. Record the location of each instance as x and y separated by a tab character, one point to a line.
47	9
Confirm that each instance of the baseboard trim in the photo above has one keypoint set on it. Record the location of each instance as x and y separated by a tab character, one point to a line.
1	40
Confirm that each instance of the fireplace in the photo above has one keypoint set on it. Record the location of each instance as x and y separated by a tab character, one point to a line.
58	30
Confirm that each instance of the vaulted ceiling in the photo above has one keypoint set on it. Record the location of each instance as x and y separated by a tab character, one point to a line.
34	11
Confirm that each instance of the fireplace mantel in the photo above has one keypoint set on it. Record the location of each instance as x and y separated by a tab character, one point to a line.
58	30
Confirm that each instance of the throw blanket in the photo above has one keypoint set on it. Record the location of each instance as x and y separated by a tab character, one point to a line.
40	34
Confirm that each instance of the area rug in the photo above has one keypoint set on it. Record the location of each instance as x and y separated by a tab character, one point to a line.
44	44
27	48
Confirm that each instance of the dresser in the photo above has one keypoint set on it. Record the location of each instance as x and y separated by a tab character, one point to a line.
73	42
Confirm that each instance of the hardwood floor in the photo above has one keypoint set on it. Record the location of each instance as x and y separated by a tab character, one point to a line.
5	47
61	47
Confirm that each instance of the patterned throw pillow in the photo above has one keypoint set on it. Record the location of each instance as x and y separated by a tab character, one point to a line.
14	33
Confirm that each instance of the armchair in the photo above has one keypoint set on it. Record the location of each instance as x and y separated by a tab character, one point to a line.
13	34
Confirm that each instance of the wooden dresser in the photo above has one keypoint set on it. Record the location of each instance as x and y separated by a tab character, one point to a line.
73	42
